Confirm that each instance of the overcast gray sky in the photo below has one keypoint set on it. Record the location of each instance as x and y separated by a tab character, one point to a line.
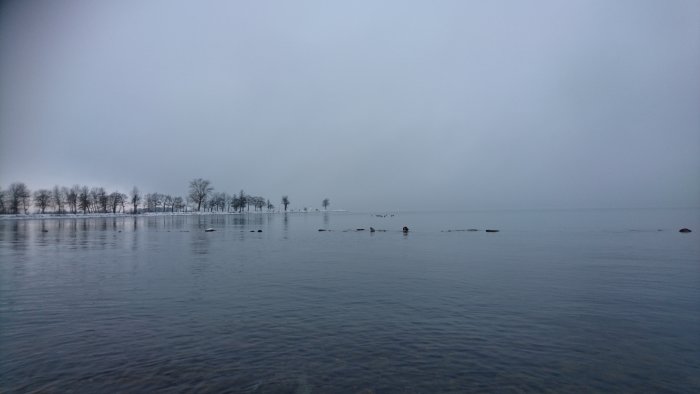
375	104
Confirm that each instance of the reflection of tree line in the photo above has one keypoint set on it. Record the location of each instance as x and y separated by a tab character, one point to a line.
201	196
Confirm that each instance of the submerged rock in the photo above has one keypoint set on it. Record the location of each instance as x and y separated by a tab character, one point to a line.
684	230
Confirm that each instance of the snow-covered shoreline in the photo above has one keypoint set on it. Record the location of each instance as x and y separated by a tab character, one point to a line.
41	216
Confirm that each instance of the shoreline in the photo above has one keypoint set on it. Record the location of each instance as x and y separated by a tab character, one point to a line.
42	216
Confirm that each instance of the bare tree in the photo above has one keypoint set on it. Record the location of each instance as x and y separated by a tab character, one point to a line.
270	207
42	199
99	199
72	198
285	202
178	203
135	199
3	209
258	202
236	203
199	190
152	201
84	199
116	199
158	200
326	202
222	201
123	198
18	196
94	200
242	200
58	198
167	201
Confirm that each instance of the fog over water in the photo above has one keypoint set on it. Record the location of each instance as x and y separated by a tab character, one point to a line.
376	105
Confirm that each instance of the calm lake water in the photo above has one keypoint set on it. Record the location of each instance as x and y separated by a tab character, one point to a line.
563	301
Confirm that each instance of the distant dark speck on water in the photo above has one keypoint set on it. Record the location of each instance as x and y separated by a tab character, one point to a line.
209	230
684	230
492	231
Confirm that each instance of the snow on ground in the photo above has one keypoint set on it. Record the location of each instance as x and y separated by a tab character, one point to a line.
113	215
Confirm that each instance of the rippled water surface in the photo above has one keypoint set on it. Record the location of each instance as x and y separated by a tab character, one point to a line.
565	301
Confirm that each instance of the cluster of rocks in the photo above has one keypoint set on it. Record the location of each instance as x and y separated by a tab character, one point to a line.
405	230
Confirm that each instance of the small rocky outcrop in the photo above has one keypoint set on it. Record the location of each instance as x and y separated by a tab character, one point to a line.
684	230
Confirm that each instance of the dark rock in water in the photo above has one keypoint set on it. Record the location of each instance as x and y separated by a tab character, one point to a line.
252	231
44	231
260	231
359	229
405	229
371	229
209	230
684	230
492	231
322	229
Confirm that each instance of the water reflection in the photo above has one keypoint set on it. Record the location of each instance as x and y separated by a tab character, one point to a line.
200	243
140	307
19	235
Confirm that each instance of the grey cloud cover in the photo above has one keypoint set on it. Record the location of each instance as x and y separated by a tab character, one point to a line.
376	105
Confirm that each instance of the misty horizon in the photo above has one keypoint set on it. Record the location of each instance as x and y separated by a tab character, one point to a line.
393	106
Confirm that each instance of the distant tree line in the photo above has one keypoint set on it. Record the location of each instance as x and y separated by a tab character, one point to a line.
18	199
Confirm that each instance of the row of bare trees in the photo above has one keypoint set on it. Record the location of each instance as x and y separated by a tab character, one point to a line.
17	199
202	194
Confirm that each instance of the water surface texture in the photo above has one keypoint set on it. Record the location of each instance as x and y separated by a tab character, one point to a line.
566	301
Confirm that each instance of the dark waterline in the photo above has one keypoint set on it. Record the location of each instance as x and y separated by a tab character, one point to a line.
556	301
